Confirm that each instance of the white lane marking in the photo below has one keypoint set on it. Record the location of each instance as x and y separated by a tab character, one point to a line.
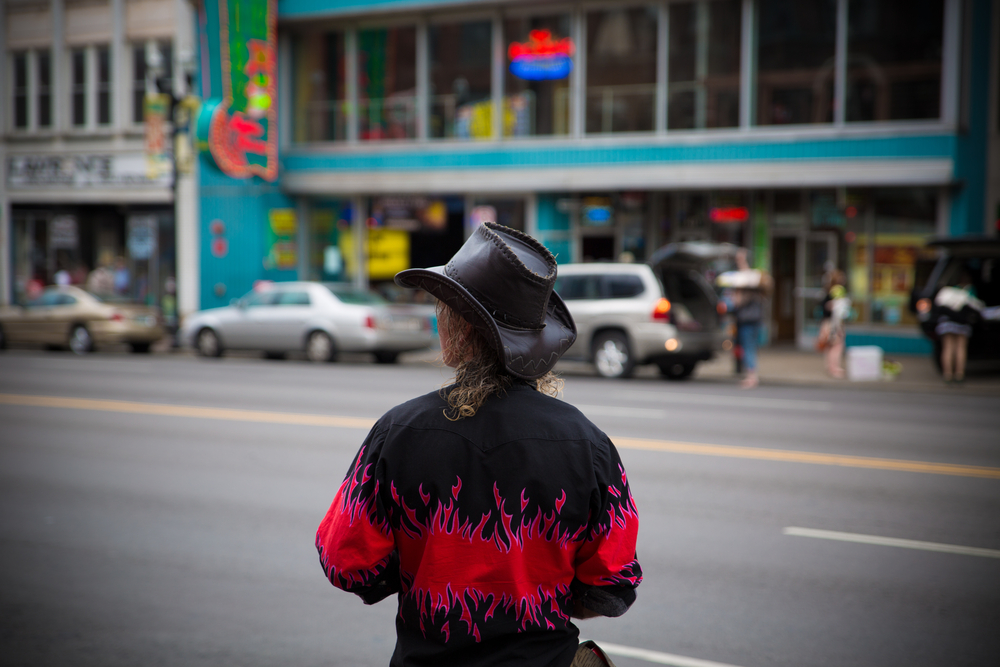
678	398
891	542
656	656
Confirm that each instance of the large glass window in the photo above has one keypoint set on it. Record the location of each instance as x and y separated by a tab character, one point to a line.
537	106
78	92
387	105
704	65
164	82
887	233
320	87
44	64
460	80
621	70
894	59
103	85
796	42
20	92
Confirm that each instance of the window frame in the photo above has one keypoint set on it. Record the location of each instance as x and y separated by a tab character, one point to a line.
132	109
578	13
33	92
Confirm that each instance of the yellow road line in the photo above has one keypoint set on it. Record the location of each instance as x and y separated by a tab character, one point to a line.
186	411
792	456
701	449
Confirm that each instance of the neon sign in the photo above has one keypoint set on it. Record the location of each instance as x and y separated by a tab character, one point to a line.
243	126
541	58
729	214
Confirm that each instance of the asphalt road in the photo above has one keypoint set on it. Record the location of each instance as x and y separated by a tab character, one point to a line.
168	519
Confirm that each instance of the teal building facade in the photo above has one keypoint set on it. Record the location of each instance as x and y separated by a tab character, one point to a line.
374	135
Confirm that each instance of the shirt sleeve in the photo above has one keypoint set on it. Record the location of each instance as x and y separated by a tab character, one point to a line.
355	544
607	567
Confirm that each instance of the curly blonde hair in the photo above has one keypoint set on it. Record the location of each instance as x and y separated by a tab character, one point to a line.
478	371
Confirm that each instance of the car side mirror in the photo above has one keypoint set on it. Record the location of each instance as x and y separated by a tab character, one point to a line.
239	303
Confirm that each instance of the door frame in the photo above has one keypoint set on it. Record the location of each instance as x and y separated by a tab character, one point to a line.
804	338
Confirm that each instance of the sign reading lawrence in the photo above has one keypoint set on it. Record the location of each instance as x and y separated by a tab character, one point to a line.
76	171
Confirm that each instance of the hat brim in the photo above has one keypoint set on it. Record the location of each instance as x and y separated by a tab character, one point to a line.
525	353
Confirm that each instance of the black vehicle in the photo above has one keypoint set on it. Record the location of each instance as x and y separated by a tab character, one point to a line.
980	256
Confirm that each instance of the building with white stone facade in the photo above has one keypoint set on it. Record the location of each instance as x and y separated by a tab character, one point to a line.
79	189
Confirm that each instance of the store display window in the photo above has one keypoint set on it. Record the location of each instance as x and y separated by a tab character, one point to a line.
387	80
540	59
894	59
703	70
796	43
461	104
621	70
886	237
320	87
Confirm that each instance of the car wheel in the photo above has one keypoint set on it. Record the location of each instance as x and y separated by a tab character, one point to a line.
612	356
139	348
80	341
3	340
208	343
676	370
320	348
386	357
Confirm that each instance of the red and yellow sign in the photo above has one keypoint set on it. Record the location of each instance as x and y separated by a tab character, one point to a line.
243	130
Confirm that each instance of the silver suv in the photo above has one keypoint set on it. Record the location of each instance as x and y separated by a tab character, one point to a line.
624	319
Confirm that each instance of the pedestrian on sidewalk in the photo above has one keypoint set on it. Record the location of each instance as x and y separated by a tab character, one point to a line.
957	309
495	512
748	288
832	335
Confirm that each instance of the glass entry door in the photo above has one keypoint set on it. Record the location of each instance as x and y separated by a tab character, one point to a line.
820	258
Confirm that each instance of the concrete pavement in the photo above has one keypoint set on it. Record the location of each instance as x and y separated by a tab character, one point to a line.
781	365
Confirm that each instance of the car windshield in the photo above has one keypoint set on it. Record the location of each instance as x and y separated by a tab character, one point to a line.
354	296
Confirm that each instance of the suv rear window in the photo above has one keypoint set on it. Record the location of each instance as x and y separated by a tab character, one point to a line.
614	286
622	286
573	288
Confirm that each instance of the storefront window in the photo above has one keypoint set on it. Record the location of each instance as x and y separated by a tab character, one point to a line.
387	78
887	231
621	70
728	215
326	219
320	87
460	80
894	59
704	65
533	105
795	61
507	212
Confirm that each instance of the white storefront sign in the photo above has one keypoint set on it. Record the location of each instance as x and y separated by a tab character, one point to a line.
79	171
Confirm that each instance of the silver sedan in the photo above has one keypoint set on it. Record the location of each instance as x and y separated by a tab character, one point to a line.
321	319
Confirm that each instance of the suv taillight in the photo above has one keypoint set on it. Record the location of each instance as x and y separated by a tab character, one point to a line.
661	311
369	322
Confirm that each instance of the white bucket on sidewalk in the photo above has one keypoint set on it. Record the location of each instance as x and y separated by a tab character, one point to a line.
864	363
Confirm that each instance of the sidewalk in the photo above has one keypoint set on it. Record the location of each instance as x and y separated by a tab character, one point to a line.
781	365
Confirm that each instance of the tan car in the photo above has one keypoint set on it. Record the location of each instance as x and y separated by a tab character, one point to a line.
66	316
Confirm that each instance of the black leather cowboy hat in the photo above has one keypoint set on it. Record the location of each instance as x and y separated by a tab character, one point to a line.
501	281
